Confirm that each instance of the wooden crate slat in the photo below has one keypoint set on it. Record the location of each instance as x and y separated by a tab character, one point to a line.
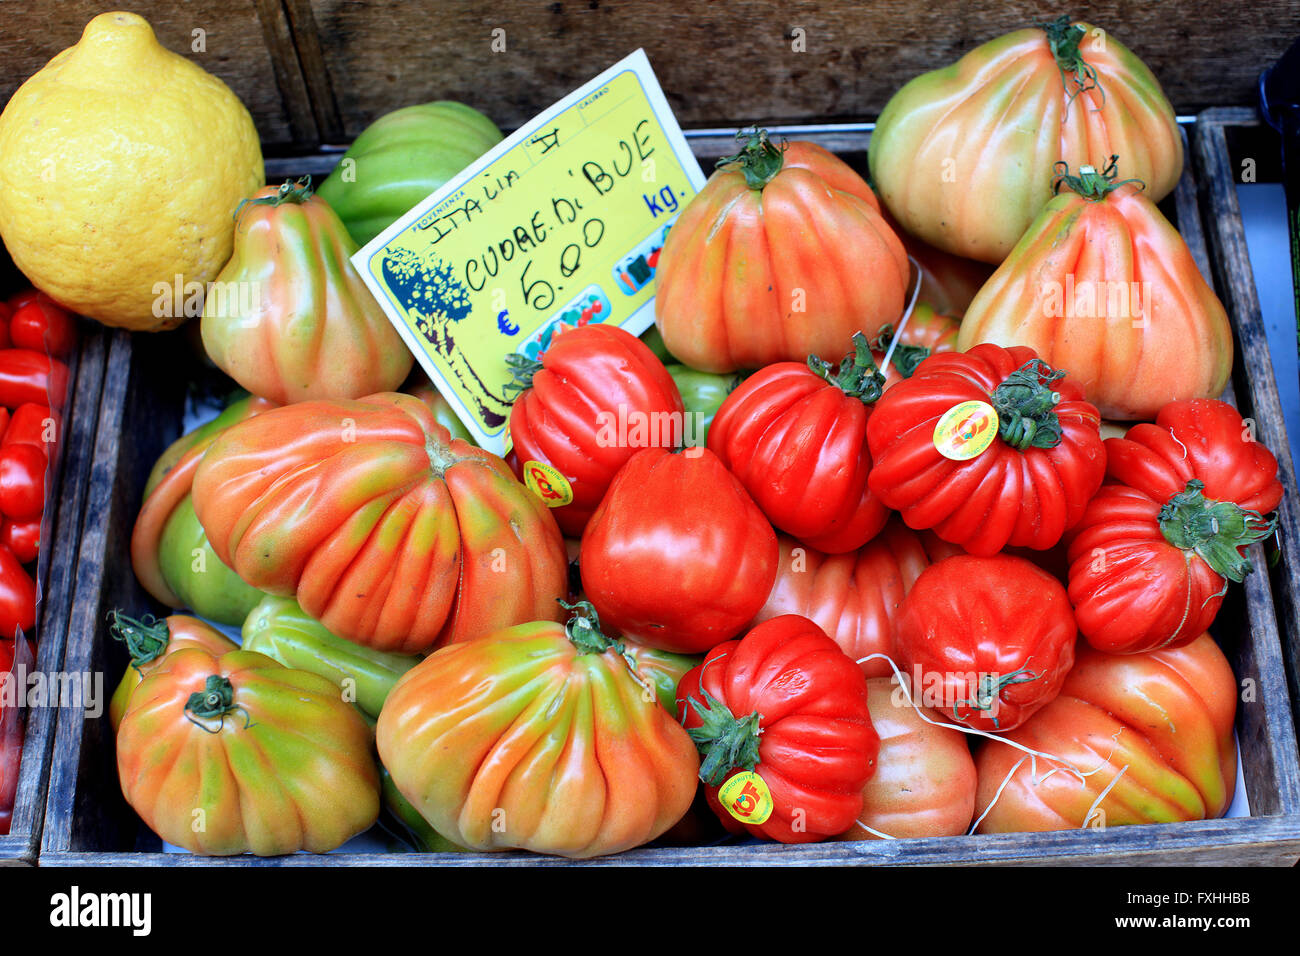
1218	177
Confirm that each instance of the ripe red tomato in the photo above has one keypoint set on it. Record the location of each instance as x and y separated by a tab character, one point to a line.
43	326
1027	487
986	640
23	538
1150	734
677	556
17	596
595	397
787	704
795	436
854	597
1152	557
22	481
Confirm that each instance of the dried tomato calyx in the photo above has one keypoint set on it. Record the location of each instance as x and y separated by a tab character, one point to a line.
906	357
1090	184
583	629
145	640
759	158
1217	531
857	376
1026	406
522	370
289	192
1063	39
725	742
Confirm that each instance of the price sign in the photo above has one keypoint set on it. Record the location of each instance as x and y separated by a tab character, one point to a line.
562	222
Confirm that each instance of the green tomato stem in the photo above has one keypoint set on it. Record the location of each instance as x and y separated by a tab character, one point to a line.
1217	531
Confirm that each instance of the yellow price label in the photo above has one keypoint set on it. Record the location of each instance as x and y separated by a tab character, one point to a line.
746	797
547	483
562	222
966	430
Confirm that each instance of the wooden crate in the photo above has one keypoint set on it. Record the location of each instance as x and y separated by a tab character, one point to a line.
89	823
1223	138
315	72
57	566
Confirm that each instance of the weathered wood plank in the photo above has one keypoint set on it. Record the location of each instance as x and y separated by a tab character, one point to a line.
278	34
1218	173
736	62
235	48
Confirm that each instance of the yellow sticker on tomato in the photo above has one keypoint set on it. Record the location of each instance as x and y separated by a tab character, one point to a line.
746	797
966	430
548	484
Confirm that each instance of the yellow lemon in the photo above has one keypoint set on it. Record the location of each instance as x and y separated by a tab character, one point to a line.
121	165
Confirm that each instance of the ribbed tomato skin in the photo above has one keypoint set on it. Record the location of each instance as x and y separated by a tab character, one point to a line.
518	740
966	617
817	747
924	785
1158	726
592	379
389	532
751	277
1001	497
291	770
854	597
962	156
798	445
1107	289
677	555
1131	588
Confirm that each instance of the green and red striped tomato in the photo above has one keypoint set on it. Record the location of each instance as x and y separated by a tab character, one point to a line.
296	321
537	737
389	532
962	156
237	754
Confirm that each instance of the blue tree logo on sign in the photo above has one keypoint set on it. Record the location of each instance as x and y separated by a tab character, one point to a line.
436	300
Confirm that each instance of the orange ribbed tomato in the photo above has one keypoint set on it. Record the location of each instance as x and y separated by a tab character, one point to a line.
1104	286
538	737
235	754
783	254
289	318
962	156
1151	731
854	597
924	784
389	532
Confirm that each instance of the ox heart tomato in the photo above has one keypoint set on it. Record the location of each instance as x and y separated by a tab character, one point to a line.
782	720
677	556
794	434
986	640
